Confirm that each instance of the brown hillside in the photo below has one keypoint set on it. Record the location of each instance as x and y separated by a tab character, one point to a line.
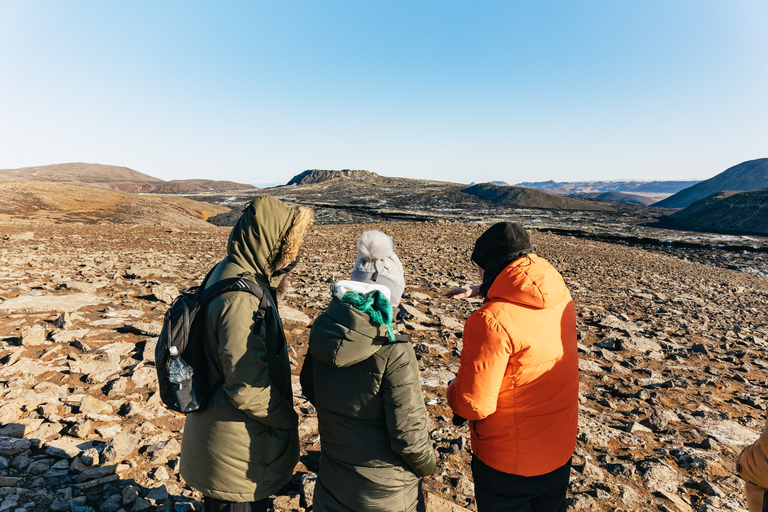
619	196
116	178
743	212
77	172
78	202
530	198
750	175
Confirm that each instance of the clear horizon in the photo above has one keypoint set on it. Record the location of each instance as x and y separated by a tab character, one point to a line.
257	92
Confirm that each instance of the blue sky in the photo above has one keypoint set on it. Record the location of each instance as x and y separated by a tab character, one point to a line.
462	91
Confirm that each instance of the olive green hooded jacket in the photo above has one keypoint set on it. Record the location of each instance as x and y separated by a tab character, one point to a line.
375	446
244	445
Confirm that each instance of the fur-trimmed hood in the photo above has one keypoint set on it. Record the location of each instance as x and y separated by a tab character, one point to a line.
267	237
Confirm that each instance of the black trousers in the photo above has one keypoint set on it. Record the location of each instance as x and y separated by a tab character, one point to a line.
214	505
496	491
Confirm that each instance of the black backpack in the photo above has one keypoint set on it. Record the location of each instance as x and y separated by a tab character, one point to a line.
183	328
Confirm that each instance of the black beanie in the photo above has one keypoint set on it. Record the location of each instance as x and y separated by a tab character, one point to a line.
499	240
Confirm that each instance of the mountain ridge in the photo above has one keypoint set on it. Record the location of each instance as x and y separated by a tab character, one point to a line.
727	211
618	196
579	188
530	198
113	177
746	176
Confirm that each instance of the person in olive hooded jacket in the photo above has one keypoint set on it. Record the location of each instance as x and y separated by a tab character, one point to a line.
243	446
363	379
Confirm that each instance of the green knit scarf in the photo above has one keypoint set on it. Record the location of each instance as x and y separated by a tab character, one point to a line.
375	304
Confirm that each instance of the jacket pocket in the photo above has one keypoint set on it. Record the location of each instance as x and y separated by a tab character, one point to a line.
281	453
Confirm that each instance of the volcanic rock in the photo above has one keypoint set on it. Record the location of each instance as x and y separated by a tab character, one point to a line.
33	335
43	303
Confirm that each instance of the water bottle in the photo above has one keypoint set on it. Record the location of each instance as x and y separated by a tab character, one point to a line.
184	388
178	369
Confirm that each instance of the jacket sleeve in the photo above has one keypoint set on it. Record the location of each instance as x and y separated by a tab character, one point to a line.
307	379
243	355
484	359
405	412
753	461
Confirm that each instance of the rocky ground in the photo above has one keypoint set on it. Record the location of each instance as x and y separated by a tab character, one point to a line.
673	369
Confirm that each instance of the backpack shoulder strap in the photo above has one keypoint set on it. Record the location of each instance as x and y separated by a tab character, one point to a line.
235	284
232	284
400	337
258	291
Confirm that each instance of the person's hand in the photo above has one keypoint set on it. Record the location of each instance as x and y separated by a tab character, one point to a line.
463	292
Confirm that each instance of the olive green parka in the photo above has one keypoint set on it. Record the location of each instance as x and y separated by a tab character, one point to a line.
244	445
375	446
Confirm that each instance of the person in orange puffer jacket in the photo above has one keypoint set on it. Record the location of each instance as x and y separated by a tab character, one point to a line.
752	466
518	379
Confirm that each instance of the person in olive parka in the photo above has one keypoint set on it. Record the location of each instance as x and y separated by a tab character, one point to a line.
363	379
243	446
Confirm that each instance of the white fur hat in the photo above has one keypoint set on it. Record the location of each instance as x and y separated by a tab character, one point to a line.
377	263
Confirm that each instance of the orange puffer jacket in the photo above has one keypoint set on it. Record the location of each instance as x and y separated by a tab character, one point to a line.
518	382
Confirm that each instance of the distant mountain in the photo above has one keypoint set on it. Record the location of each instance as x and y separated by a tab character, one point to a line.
319	176
183	186
522	197
650	188
750	175
500	183
78	173
618	196
744	212
115	178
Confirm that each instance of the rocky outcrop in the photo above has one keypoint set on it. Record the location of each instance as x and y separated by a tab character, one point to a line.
320	176
746	176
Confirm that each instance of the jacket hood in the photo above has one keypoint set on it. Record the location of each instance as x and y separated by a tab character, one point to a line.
342	336
267	237
529	281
